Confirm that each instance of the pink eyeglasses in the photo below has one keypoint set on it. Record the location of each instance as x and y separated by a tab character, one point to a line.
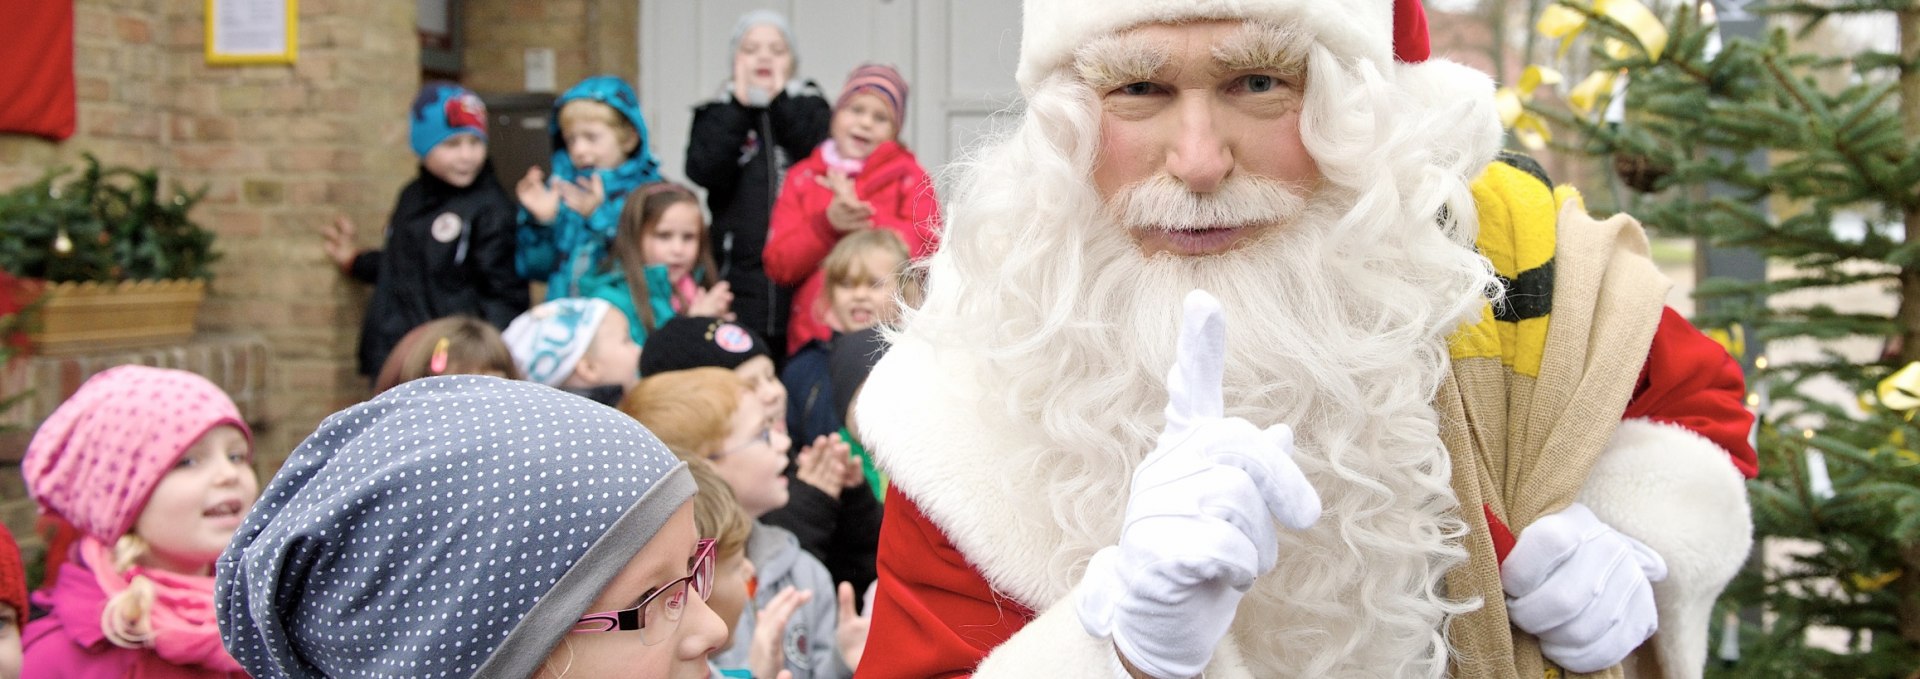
658	615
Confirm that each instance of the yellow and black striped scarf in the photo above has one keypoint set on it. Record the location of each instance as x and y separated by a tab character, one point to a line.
1538	384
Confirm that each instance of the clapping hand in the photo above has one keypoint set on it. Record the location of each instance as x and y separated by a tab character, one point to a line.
825	465
852	631
538	196
714	302
583	196
338	242
766	652
847	212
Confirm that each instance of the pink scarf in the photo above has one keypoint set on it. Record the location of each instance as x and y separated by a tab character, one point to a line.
830	152
182	629
684	291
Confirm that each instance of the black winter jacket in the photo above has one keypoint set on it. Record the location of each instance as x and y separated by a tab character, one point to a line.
740	155
843	533
465	266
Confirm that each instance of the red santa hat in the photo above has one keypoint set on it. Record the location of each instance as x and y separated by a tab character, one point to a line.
1380	31
1390	34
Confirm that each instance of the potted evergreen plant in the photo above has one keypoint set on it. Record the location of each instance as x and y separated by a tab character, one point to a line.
116	262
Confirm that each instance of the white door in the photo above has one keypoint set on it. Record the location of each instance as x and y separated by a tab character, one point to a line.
957	56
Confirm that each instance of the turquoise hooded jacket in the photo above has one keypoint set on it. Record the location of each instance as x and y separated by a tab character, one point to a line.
572	247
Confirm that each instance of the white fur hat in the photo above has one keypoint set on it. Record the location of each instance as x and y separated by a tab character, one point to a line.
1380	31
1389	34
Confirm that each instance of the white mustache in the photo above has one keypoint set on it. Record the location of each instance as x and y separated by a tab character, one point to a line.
1164	203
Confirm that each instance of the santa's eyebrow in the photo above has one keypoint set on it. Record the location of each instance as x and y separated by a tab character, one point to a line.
1115	60
1260	46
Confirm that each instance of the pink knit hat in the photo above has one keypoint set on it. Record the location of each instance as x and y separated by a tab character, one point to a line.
882	80
96	460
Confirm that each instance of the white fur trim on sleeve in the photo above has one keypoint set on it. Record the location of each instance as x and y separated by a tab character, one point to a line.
1681	495
1056	646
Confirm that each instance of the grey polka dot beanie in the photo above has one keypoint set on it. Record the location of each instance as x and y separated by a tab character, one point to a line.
454	526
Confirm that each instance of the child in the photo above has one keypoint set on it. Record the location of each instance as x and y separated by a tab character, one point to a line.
600	155
659	266
720	519
706	412
154	467
695	342
863	274
455	345
853	358
446	529
578	345
449	244
13	604
859	179
838	527
762	120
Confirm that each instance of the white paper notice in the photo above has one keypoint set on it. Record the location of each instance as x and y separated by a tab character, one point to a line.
539	65
249	27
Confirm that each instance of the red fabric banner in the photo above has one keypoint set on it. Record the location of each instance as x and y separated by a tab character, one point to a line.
37	85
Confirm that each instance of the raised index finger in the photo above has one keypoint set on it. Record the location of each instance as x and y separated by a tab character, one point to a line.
1194	381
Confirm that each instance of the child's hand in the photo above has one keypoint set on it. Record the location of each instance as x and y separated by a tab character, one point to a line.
584	196
339	242
852	631
847	212
714	302
742	90
766	653
538	196
823	464
851	475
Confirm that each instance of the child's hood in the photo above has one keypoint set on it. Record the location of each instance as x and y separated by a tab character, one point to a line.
774	551
609	90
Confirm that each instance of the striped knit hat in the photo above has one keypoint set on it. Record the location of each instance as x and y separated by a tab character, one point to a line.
882	80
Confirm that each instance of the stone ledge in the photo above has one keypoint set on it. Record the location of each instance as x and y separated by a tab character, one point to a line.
237	363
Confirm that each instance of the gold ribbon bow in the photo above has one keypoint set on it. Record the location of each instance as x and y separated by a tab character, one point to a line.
1511	102
1901	390
1566	20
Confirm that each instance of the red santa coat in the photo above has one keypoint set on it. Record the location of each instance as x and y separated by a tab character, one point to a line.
799	235
936	615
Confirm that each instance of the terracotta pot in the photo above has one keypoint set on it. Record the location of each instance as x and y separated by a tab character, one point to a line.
89	316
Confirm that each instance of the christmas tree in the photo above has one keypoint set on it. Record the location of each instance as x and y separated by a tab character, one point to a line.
1768	144
105	223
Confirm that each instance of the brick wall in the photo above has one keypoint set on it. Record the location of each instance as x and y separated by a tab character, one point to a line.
281	149
588	37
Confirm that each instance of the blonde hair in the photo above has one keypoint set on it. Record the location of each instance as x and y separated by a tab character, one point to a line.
689	410
127	619
473	347
847	261
587	110
716	512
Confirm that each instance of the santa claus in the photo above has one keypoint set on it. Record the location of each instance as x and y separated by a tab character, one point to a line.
1407	351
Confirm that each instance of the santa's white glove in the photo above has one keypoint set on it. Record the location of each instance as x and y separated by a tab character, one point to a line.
1583	588
1199	523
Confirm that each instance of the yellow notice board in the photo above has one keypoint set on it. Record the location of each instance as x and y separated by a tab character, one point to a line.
241	32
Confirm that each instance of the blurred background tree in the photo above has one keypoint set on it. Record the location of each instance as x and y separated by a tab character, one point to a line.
1806	150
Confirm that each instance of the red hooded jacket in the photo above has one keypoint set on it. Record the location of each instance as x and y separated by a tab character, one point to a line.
799	235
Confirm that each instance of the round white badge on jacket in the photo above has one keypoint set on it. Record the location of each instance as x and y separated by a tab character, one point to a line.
447	227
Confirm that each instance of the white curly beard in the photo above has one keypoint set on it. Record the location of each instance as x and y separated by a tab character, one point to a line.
1337	325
